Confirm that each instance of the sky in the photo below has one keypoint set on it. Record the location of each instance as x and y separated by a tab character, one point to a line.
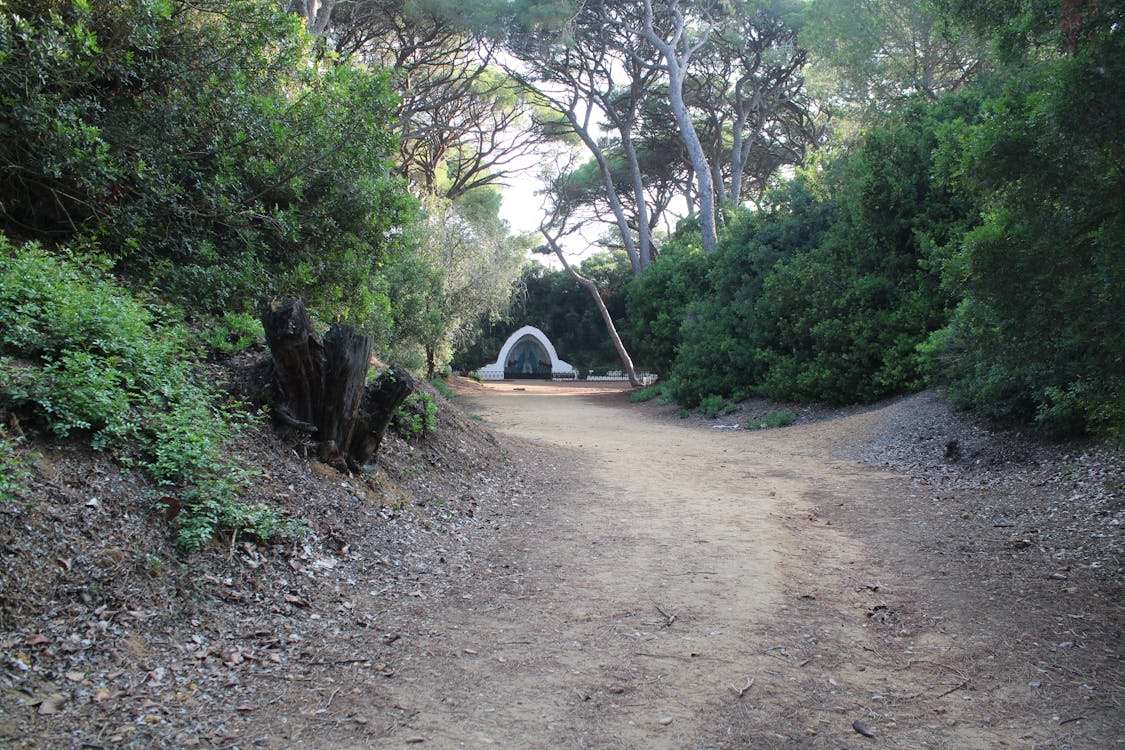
522	208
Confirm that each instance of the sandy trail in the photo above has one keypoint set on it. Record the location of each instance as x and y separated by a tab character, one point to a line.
652	580
664	570
626	621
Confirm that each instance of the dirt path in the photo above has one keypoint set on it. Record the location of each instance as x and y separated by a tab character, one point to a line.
601	574
622	621
680	587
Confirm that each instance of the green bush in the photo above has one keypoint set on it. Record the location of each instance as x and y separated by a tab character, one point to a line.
1039	333
713	406
211	149
780	418
82	356
723	336
231	333
826	296
417	417
658	300
647	393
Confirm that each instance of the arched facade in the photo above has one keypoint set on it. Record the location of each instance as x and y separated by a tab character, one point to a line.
527	353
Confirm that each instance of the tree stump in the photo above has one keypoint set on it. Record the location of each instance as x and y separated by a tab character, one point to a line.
322	385
390	387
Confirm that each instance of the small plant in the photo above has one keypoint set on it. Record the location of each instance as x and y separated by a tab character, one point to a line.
440	386
231	333
417	417
647	394
713	406
683	413
781	418
475	375
14	472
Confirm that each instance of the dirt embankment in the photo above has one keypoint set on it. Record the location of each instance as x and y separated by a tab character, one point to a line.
606	576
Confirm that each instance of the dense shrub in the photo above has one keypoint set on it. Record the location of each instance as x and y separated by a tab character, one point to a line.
723	334
80	356
1039	332
827	296
658	300
206	147
851	311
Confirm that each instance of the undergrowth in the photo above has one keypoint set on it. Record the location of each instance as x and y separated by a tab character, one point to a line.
780	418
648	393
417	417
713	406
14	472
440	386
231	333
80	356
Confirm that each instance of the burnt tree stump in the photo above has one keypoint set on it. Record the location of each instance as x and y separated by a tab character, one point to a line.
322	384
391	386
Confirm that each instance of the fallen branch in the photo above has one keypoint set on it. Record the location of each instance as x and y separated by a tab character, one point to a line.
779	649
952	689
697	573
668	618
692	657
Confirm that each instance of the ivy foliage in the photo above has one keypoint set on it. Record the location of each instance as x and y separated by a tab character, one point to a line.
81	357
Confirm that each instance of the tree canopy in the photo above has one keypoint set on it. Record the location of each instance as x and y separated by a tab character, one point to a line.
967	231
962	227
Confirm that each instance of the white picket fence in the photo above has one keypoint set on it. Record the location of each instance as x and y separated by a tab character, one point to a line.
646	378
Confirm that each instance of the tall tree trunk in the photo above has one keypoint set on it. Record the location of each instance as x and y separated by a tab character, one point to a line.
590	286
705	186
615	205
322	385
677	54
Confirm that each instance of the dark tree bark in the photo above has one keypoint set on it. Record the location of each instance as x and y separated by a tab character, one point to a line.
347	357
321	384
298	358
380	401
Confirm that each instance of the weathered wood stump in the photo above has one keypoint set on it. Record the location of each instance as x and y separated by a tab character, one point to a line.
322	384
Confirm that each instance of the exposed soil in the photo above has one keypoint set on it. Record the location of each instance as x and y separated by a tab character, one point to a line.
597	574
